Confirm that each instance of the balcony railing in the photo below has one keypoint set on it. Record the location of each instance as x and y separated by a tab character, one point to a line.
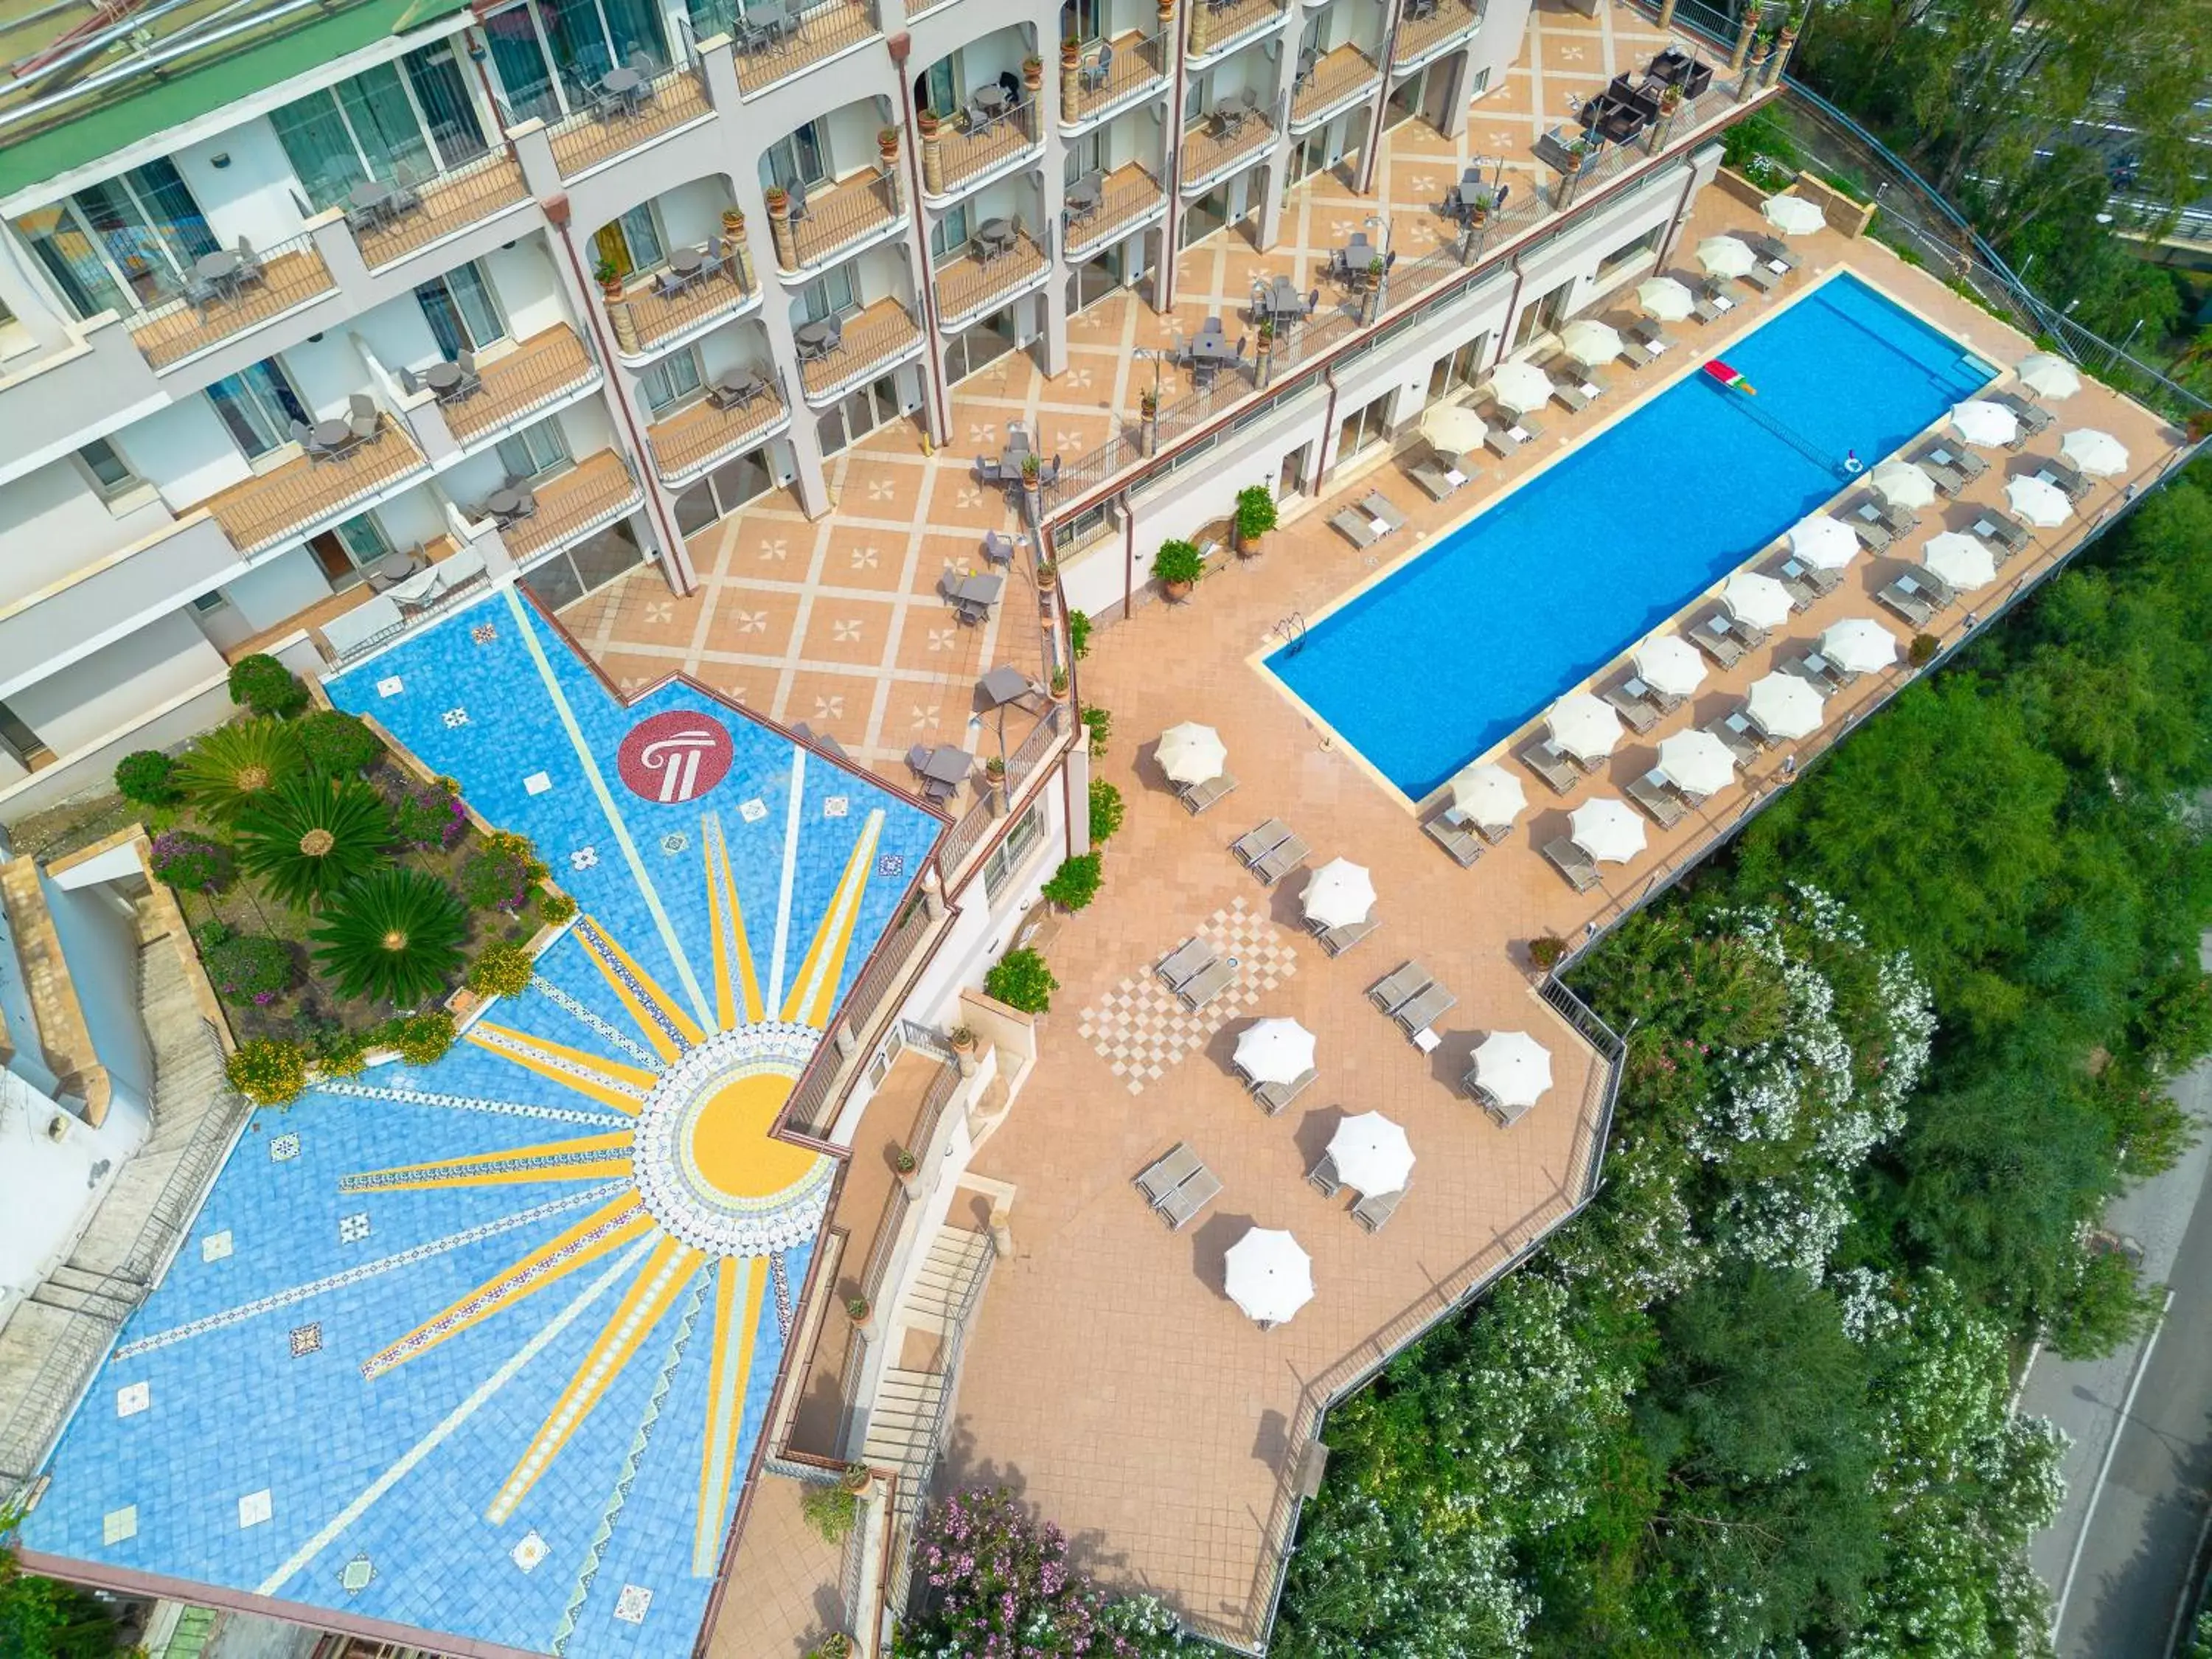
654	317
877	336
204	312
1138	61
538	373
1336	76
591	495
969	153
692	438
764	58
853	211
1214	28
1442	21
285	500
1214	150
447	202
969	286
1128	194
610	125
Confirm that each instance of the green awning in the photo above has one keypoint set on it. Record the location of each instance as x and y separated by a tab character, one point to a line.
132	112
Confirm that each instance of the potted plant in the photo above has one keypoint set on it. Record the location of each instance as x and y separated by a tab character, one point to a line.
609	279
995	769
858	1480
1255	517
733	222
1148	403
1070	53
1048	575
779	200
1059	686
1033	72
1032	468
1177	567
1374	269
1546	949
928	121
836	1645
1923	650
962	1039
857	1310
887	144
904	1163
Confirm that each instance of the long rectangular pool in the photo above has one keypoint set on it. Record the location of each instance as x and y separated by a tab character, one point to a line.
1433	665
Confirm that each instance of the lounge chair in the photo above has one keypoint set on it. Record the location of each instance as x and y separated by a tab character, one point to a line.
1712	635
1821	582
1188	1199
2064	477
1376	1208
1377	506
1743	740
1207	983
1462	842
1927	585
1948	479
2033	417
1646	332
1771	249
2007	535
1200	796
1167	1172
1903	602
1570	861
1710	303
1960	459
1273	866
1496	1111
1337	940
1424	1010
1400	986
1273	1096
1177	967
1794	584
1871	509
1818	672
1872	537
1441	474
1357	527
1634	705
1508	430
1765	278
1323	1177
1572	394
1255	844
1550	762
1655	792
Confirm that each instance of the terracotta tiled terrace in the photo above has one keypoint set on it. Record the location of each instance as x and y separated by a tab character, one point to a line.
1136	64
968	286
825	30
1211	149
783	1591
1124	195
884	331
541	370
452	202
965	152
292	274
1446	18
262	510
584	140
693	437
848	211
656	319
1214	27
596	490
1337	73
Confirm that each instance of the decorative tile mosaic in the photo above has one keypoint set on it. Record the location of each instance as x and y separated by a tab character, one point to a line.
307	1339
215	1246
352	1229
133	1398
1141	1028
118	1526
537	783
283	1149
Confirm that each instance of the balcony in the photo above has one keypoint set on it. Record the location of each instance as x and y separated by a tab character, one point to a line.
872	341
824	31
591	138
278	278
104	600
451	202
1215	30
689	440
588	496
1213	151
539	373
646	320
1126	196
859	209
437	550
1337	77
969	286
1428	26
1138	64
303	494
965	157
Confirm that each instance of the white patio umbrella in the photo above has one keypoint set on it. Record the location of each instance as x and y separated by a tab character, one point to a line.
2099	454
1793	215
1859	645
1697	762
1454	429
1191	753
2043	505
1664	298
2049	376
1591	343
1371	1154
1785	706
1338	894
1267	1275
1275	1051
1821	543
1902	484
1759	600
1583	725
1513	1066
1488	795
1520	387
1670	664
1724	256
1958	561
1979	421
1607	829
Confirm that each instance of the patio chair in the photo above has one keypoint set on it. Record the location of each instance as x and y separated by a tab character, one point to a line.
1496	1111
252	273
1337	940
1819	672
1712	635
1655	792
1179	1206
1949	480
1646	332
1903	602
1822	582
1273	1096
1631	700
1771	249
1570	861
2033	417
361	418
1744	740
1207	983
1257	842
1355	527
466	361
1200	796
997	549
1456	839
2074	484
1764	277
1551	764
1799	589
1376	1208
1271	867
917	757
1177	967
1400	986
1095	75
1167	1172
2007	534
1575	392
306	439
1959	458
1424	1010
1323	1177
1872	509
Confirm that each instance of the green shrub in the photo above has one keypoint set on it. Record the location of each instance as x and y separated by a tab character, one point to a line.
248	967
1106	811
337	745
191	863
1020	980
501	971
149	777
233	766
422	1039
498	877
266	686
1078	634
394	936
556	907
1075	883
830	1511
1546	949
1177	564
313	837
1256	513
268	1071
345	1053
2102	1305
430	816
1100	724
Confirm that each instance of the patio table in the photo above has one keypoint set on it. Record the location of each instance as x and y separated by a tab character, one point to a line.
1003	685
813	339
623	82
997	236
947	764
1282	301
1083	197
980	588
219	271
330	434
739	386
503	504
986	106
371	199
686	261
393	567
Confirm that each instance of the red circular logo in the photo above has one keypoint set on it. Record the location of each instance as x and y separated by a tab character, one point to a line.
677	755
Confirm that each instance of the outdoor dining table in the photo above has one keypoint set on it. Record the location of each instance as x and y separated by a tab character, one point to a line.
1282	301
442	377
813	339
989	103
739	386
371	197
947	764
1083	197
686	261
219	270
330	434
997	236
981	588
1002	686
623	82
503	504
393	568
1356	255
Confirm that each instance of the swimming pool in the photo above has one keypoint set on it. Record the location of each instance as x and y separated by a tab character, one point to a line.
1433	665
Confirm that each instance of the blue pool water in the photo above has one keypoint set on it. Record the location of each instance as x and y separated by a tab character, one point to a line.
1434	664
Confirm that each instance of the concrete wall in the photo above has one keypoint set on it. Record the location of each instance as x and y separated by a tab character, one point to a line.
100	940
53	523
117	684
49	1186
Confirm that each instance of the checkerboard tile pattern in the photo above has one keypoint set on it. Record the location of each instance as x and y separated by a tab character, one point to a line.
1139	1029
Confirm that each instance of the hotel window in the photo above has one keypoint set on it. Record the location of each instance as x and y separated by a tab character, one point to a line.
1362	427
1544	316
830	293
460	311
1006	857
258	408
1628	252
536	450
633	242
122	245
802	159
1462	367
673	379
549	54
948	238
395	122
1082	20
111	476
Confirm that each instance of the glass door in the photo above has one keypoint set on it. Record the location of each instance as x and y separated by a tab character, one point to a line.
441	93
1293	481
800	160
535	451
828	295
1362	427
631	242
937	88
673	379
1083	20
460	311
258	407
518	57
1463	368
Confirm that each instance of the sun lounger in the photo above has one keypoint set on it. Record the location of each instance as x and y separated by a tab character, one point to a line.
1273	1096
1764	277
1378	507
1509	431
1376	1208
1872	537
1903	602
1570	861
1927	585
1188	1199
1743	739
1253	843
1337	940
1655	795
1960	459
1634	706
1440	475
1821	581
1207	983
1949	480
2064	477
1572	395
2033	417
2006	536
1647	333
1497	1111
1167	1172
1874	510
1548	761
1275	865
1710	303
1424	1009
1462	842
1817	671
1771	249
1200	796
1638	354
1357	527
1177	968
1799	589
1400	986
1711	635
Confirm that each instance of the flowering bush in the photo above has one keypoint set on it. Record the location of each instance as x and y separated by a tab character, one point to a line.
421	1039
268	1071
556	907
248	968
190	861
502	970
430	816
498	877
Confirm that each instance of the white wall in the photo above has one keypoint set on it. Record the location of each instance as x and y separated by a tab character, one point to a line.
850	132
52	524
528	287
99	939
185	452
117	683
1498	43
738	343
48	1188
267	594
253	196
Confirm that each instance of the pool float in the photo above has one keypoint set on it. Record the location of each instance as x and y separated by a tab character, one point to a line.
1728	377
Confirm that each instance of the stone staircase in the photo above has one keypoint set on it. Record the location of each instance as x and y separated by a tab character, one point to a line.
906	1420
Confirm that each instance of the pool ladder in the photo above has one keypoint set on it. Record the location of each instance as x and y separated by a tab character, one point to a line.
1293	629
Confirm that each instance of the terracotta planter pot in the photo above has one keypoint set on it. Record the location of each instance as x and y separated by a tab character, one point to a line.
1176	591
1071	55
1033	74
611	290
733	222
